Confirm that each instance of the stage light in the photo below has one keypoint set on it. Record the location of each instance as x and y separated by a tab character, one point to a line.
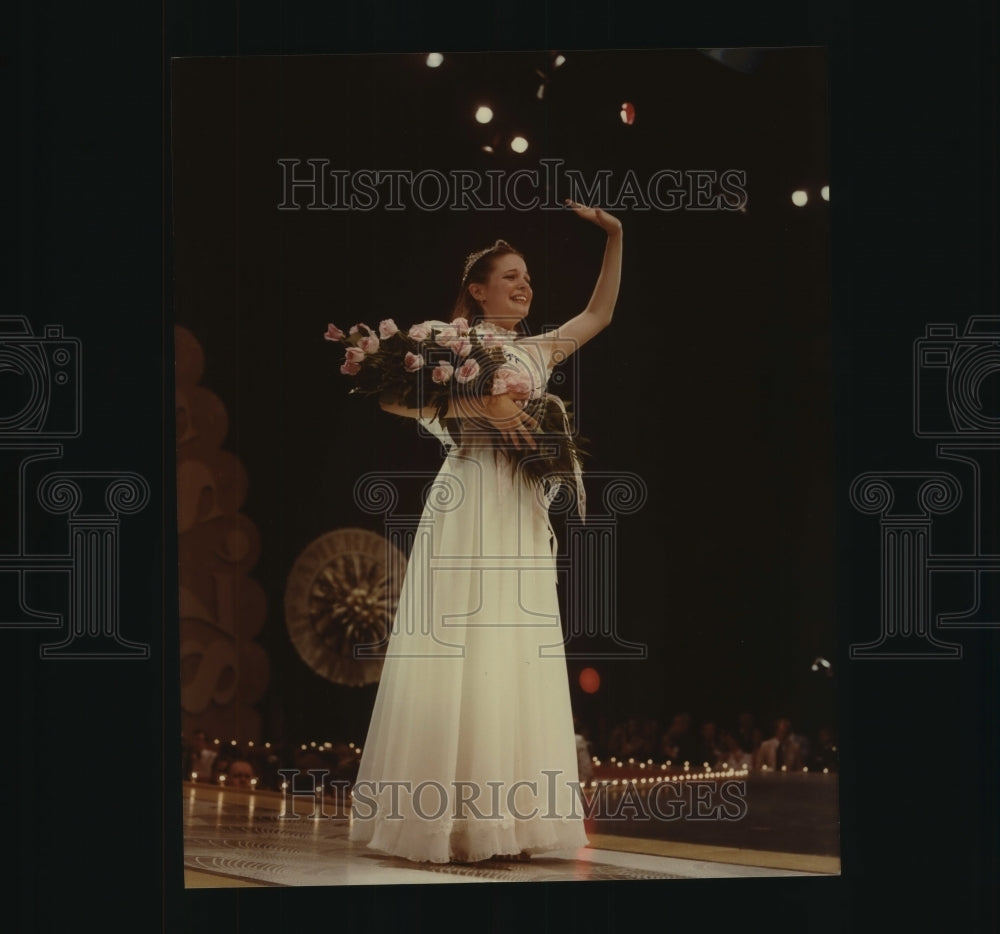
800	198
590	680
484	114
822	663
487	148
627	113
824	192
559	60
519	144
540	93
434	59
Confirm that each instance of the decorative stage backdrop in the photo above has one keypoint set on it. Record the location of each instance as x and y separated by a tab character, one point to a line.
317	189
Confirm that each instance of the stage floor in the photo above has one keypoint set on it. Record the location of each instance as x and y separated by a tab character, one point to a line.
234	839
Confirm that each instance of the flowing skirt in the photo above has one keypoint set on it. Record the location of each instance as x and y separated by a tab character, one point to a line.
471	749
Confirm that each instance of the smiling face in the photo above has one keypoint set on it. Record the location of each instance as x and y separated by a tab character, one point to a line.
505	297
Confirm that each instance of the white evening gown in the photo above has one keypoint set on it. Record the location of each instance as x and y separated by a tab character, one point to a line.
471	750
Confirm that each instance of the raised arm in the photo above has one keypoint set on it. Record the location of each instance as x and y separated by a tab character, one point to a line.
572	335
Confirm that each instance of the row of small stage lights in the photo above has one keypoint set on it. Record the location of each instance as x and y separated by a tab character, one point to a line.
621	763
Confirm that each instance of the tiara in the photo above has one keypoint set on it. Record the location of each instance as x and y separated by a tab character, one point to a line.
474	258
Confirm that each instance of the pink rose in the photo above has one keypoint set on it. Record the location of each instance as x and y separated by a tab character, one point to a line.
355	355
499	384
461	346
490	340
467	371
518	382
446	336
333	333
442	373
461	325
420	332
349	369
369	344
363	327
413	362
387	328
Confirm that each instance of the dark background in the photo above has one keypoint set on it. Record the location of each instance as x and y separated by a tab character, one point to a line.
713	384
91	769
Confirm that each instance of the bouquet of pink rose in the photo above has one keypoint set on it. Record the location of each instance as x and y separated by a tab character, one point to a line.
422	367
433	362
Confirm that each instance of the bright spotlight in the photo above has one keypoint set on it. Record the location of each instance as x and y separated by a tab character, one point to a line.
434	59
800	198
519	144
484	114
559	60
824	192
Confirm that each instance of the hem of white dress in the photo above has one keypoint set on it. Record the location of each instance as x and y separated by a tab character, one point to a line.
475	857
572	837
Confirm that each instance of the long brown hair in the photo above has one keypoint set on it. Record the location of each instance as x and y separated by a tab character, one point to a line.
478	268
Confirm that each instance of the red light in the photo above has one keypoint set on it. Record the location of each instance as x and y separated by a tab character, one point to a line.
590	680
628	113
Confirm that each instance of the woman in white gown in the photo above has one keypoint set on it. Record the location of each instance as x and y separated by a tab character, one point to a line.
471	750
